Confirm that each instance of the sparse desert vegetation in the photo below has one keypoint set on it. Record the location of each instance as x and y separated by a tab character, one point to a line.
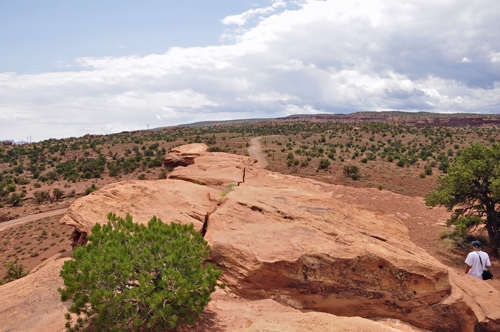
48	175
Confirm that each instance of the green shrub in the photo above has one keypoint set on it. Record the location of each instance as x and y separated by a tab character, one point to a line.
41	196
422	175
352	172
14	199
323	163
14	271
90	189
137	277
57	193
364	160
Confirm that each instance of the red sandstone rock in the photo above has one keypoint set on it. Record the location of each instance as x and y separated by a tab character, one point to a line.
32	303
169	200
219	169
286	238
237	314
184	155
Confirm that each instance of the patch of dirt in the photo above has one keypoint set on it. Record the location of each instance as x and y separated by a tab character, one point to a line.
33	242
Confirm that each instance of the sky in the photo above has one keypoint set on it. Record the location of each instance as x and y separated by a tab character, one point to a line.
68	68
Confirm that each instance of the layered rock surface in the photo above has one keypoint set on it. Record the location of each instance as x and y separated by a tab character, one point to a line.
286	239
33	303
170	200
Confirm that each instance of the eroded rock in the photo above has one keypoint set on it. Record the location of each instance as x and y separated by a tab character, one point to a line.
169	200
218	169
184	155
288	239
32	303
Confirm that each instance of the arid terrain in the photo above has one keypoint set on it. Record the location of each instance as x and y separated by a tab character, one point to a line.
397	165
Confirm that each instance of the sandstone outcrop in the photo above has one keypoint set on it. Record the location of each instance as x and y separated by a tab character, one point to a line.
184	155
169	200
215	169
288	239
236	314
32	303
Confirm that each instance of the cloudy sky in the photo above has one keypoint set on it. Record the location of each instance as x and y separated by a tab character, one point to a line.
68	68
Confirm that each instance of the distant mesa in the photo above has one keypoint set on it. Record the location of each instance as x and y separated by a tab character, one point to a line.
407	118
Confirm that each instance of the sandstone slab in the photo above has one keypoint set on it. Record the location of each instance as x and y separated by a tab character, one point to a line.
32	303
290	240
216	169
184	155
169	200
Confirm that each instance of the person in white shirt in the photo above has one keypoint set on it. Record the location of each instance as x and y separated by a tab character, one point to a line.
474	267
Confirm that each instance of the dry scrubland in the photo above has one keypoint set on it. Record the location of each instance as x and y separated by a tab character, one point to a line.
52	174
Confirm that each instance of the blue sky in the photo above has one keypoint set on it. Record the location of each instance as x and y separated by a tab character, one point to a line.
68	68
38	35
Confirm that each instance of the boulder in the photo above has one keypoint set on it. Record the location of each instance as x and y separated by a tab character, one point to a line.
170	200
217	169
32	303
184	155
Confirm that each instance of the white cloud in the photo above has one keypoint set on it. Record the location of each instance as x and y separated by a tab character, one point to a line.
242	19
495	57
320	56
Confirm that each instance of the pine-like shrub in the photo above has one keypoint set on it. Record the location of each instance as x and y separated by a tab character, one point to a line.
137	277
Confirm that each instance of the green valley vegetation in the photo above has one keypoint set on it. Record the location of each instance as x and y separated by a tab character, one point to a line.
401	157
132	277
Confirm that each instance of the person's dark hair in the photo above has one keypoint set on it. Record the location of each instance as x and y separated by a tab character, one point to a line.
476	244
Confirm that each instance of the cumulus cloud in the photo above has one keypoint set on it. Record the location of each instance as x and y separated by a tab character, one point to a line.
242	19
319	56
494	56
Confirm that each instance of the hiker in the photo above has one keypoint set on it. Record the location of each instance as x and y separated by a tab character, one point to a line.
477	261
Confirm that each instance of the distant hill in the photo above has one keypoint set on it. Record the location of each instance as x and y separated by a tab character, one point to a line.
203	124
407	118
397	117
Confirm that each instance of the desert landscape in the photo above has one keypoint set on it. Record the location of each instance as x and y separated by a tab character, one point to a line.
302	243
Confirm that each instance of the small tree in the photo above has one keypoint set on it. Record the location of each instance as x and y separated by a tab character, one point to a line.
14	271
41	196
352	172
14	199
133	277
472	191
57	193
323	163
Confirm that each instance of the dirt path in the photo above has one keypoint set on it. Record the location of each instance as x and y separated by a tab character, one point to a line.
256	153
18	221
